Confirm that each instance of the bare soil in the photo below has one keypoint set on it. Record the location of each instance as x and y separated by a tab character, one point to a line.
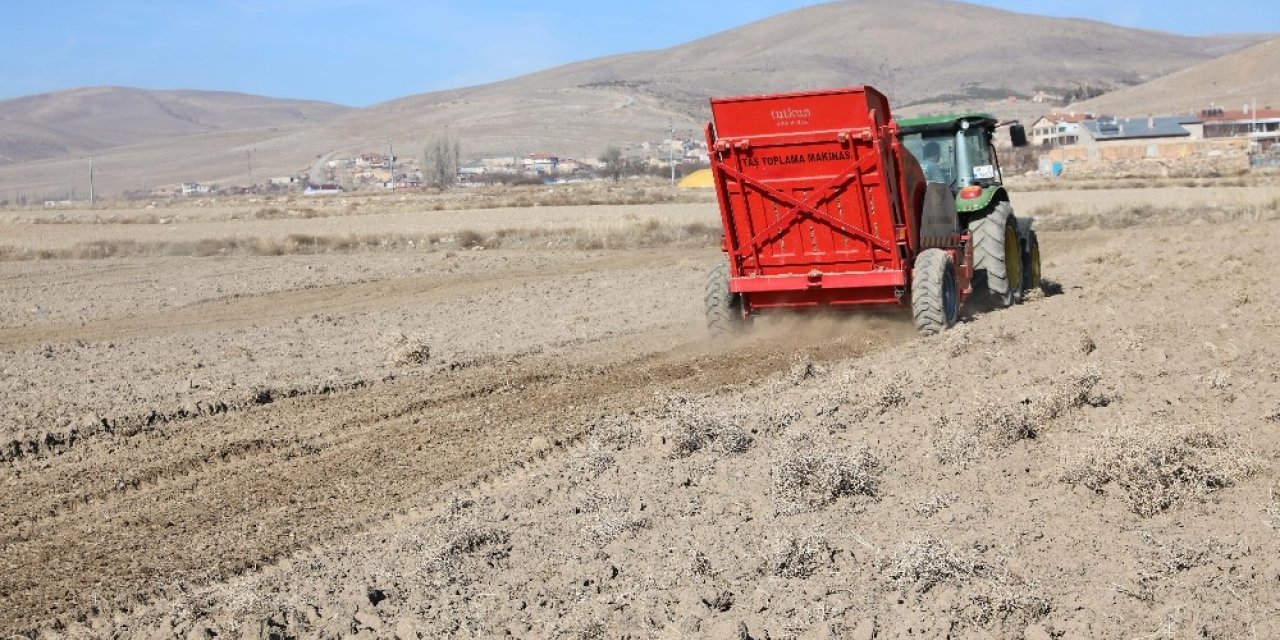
541	442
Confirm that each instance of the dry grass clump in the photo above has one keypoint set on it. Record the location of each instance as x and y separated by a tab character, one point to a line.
1123	217
615	433
409	351
1159	468
960	438
647	234
779	419
595	461
9	253
1271	511
957	342
796	557
926	562
469	239
651	233
559	195
1169	559
993	594
636	234
1086	345
804	369
114	218
933	504
697	428
450	557
808	476
589	195
608	517
1111	258
293	244
275	213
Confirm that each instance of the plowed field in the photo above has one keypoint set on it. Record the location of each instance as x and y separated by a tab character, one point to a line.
538	440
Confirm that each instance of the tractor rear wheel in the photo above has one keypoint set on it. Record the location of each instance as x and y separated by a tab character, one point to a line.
997	257
724	308
934	302
1031	264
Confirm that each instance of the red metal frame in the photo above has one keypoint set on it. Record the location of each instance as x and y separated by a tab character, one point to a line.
813	197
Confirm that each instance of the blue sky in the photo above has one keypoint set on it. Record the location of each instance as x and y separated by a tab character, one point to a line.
359	52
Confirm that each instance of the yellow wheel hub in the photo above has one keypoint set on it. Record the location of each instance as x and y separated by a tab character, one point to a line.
1012	259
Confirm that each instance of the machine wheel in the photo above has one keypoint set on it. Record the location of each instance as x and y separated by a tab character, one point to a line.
997	257
1031	264
934	302
724	309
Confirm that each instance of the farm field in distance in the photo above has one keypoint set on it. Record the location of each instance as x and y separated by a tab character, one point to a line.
478	418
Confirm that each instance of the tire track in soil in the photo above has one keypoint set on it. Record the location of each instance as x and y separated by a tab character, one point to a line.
231	492
373	295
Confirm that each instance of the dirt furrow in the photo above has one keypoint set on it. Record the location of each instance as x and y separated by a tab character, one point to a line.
376	295
213	504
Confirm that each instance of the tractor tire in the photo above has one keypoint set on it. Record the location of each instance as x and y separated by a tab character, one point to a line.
935	304
1031	264
724	309
997	258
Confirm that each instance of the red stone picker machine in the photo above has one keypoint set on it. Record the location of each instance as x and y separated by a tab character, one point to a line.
828	203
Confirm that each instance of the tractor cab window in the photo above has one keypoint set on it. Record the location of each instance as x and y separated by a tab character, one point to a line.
936	153
982	165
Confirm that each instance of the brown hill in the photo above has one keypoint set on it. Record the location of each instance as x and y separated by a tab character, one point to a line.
1234	80
927	54
96	118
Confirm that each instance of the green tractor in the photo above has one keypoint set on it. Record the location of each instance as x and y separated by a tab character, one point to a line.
958	157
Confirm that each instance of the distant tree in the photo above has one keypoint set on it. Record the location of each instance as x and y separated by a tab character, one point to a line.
1083	92
614	165
441	158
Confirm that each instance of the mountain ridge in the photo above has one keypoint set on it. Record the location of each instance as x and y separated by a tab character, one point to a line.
927	55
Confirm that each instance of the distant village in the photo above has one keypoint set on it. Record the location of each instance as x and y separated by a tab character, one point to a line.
1072	143
1215	139
371	171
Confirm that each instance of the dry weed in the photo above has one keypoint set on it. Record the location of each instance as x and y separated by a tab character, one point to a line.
926	562
795	557
961	437
409	351
957	342
450	556
1271	511
615	433
1122	217
808	476
595	461
1169	559
470	239
1086	345
642	235
651	233
934	503
697	428
779	419
700	564
1163	466
993	593
804	369
293	244
608	517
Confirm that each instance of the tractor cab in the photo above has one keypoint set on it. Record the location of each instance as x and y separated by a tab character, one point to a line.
958	150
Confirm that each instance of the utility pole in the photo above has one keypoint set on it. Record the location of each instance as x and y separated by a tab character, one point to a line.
92	195
671	153
248	160
391	160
